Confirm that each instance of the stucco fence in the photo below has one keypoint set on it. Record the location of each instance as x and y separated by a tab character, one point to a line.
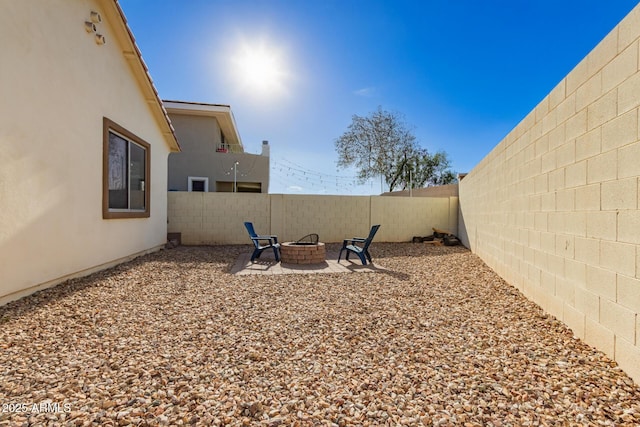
217	218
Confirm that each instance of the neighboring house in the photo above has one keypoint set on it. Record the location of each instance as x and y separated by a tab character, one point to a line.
212	158
84	142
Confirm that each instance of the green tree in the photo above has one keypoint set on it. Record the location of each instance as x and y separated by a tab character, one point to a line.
382	144
425	170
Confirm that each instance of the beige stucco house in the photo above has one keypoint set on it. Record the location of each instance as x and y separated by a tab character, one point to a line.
84	142
212	158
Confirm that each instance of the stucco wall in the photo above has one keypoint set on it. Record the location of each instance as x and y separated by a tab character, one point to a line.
217	218
554	207
199	137
57	84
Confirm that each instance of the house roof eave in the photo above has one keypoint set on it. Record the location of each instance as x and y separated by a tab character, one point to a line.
115	16
221	112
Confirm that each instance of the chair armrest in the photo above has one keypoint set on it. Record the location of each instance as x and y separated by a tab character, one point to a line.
272	239
345	242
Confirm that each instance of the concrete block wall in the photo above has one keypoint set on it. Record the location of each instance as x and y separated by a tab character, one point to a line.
333	218
217	218
405	217
554	208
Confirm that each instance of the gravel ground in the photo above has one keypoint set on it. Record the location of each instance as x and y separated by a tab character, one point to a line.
173	339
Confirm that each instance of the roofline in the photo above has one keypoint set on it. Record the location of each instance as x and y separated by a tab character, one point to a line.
204	104
221	112
132	54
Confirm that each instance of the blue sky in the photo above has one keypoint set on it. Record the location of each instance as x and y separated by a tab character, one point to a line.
463	73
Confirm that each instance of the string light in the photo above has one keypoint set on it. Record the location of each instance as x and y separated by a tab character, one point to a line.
290	174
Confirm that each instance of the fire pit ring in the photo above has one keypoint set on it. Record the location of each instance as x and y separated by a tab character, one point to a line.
303	252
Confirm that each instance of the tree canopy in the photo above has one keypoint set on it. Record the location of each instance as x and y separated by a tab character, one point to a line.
381	144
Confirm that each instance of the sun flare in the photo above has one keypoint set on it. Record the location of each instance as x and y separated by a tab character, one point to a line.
260	69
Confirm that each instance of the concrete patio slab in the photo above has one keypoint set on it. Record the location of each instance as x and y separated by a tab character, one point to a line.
267	264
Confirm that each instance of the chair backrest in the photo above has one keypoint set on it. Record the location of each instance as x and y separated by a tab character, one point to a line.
249	226
372	233
252	233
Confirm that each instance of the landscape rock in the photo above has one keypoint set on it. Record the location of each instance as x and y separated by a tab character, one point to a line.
172	338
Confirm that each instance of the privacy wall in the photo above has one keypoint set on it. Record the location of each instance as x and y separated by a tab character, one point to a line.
217	218
554	207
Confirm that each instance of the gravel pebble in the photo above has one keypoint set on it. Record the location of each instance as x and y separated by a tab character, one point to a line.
173	338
